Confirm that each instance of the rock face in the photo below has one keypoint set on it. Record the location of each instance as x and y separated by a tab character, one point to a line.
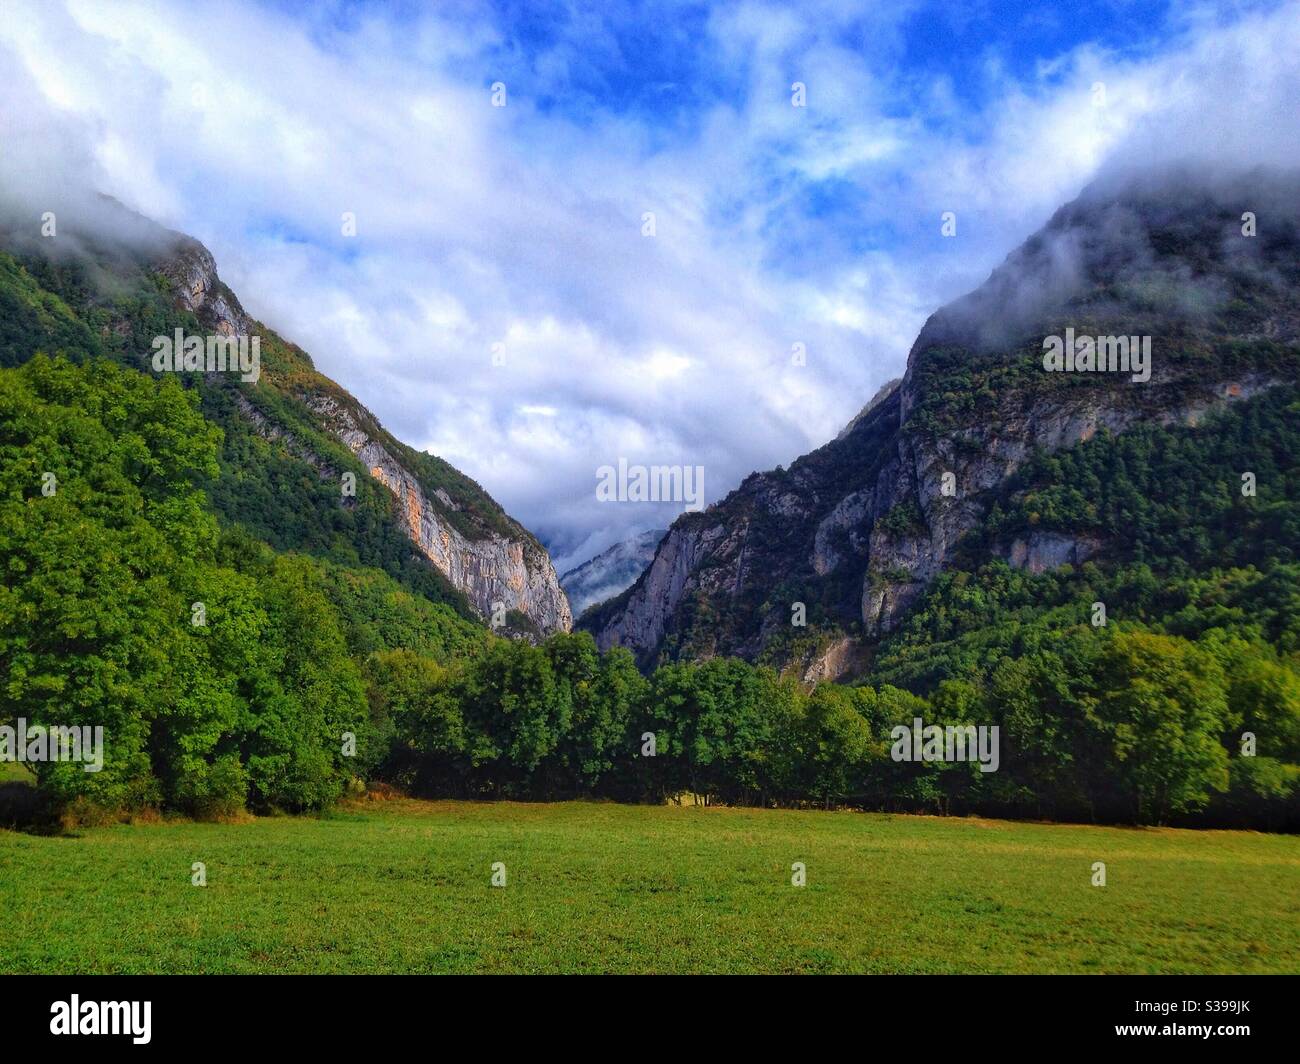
902	561
516	573
864	524
193	274
844	657
1043	551
499	571
659	591
610	571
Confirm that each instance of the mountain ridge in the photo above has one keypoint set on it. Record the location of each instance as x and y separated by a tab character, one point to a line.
120	267
609	572
858	529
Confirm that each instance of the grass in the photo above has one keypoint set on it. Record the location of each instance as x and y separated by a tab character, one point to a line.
403	886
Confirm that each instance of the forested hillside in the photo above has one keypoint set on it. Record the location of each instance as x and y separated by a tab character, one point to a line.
299	678
289	440
181	568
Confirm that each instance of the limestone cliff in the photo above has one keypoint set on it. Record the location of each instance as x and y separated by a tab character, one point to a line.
481	551
493	568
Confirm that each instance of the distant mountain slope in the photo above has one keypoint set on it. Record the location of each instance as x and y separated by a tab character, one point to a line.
110	281
858	530
610	571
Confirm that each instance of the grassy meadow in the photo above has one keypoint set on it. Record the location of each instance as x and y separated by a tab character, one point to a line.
404	886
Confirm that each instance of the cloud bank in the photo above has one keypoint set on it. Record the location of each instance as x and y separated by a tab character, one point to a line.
519	230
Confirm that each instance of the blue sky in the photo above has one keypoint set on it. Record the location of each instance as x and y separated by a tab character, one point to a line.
256	125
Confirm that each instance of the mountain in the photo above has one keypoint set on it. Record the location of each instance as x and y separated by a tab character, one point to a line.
950	469
1103	567
108	282
610	571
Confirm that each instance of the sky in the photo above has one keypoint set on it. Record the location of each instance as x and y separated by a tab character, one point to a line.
501	304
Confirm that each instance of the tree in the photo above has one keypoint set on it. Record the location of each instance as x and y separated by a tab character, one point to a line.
835	745
515	713
97	511
1162	703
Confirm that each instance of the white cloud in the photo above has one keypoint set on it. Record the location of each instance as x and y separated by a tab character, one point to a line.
522	224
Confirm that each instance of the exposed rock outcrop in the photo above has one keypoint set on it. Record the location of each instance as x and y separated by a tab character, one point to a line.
980	458
867	522
657	594
843	658
492	569
1044	551
192	271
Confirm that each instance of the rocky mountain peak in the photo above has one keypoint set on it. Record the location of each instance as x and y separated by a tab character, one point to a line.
1203	273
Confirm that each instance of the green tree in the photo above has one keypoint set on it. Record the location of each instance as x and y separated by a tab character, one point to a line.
1161	704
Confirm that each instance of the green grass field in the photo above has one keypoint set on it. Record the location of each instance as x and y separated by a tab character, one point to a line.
404	886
